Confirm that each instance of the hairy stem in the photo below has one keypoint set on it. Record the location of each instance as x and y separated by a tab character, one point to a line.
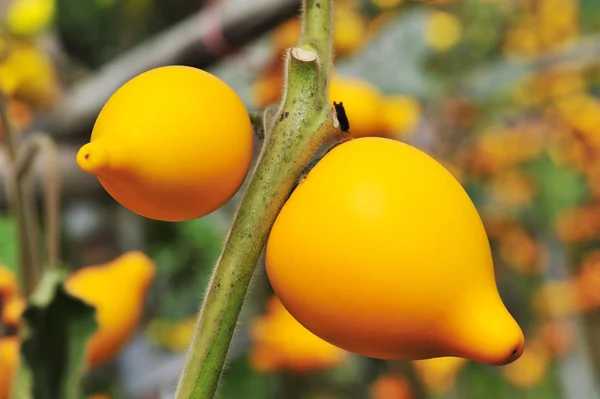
302	123
21	205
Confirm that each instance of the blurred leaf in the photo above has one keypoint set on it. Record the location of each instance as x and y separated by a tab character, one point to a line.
393	59
54	348
204	235
241	381
8	243
185	255
558	188
481	381
88	29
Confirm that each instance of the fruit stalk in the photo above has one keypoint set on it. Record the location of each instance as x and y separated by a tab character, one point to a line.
304	120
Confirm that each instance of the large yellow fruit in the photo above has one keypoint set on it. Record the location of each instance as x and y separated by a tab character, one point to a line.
173	144
117	290
381	252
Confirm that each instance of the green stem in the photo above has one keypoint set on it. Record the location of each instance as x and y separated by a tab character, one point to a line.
303	122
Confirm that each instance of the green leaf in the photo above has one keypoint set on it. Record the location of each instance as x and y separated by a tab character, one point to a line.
58	327
241	381
8	242
558	188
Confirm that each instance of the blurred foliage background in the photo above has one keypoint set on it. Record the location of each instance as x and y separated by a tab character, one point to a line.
505	93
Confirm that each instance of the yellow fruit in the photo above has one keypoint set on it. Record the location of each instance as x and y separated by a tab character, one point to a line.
381	252
117	290
9	361
363	103
29	17
281	343
173	144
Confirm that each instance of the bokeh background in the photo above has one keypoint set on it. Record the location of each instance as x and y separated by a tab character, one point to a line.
505	93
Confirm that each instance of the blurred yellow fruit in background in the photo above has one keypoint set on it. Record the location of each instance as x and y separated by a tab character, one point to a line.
530	369
402	114
27	74
29	17
386	4
173	335
12	304
558	336
443	31
117	290
9	361
439	374
557	299
389	386
349	31
281	343
363	102
9	286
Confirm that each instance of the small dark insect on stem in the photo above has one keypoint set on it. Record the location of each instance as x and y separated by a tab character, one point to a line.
342	117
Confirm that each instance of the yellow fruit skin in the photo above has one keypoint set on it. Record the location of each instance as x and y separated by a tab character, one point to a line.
172	144
9	360
381	252
117	290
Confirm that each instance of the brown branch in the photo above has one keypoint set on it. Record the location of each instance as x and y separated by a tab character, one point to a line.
41	143
74	181
200	40
19	198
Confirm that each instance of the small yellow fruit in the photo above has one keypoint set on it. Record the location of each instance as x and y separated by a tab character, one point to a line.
173	144
117	290
381	252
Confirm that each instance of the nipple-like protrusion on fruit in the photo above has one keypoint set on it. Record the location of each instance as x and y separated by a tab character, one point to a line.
92	158
488	333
